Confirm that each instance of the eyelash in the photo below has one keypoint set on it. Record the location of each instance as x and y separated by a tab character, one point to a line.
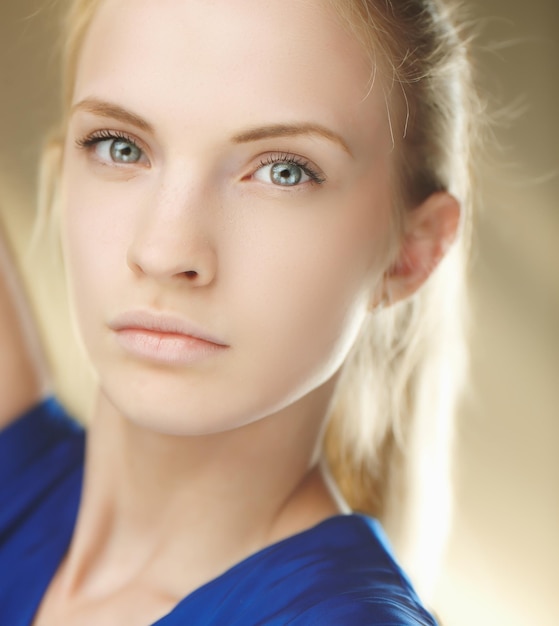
104	135
282	157
286	157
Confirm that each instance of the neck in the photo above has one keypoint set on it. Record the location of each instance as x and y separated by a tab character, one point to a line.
177	505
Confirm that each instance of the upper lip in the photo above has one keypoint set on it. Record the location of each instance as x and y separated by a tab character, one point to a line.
162	322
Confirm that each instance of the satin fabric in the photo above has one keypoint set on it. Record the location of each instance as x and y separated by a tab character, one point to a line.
339	572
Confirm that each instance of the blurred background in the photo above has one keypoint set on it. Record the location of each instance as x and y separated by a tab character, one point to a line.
502	562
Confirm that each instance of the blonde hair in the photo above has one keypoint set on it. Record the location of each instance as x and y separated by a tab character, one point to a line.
388	439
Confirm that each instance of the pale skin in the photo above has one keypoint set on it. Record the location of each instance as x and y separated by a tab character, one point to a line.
192	467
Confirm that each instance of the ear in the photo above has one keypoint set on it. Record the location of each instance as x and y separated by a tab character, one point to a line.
430	230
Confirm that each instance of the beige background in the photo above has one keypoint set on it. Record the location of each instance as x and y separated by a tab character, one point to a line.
502	566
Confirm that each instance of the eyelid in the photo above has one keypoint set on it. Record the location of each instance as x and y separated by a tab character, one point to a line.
90	140
315	173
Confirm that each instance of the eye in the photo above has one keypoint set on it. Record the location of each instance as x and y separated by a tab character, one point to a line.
119	151
112	147
286	171
286	174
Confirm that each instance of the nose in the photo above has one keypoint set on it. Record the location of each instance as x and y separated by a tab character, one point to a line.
172	238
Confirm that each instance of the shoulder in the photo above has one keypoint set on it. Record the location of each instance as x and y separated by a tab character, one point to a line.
41	468
340	572
358	580
39	451
34	435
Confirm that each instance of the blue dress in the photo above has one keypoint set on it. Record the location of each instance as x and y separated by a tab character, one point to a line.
340	572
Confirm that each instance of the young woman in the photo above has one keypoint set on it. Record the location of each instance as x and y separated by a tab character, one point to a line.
254	199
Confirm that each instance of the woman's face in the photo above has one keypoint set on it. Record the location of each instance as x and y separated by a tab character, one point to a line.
226	206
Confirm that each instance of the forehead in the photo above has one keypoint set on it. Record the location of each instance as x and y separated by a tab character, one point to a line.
244	61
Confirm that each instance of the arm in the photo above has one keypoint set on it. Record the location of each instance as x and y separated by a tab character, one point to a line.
22	370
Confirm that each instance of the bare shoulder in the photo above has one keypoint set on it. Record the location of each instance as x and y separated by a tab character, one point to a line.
22	370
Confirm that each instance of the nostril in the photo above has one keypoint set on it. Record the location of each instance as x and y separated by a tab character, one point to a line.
191	274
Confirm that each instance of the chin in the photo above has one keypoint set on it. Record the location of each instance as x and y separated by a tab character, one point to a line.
163	415
198	403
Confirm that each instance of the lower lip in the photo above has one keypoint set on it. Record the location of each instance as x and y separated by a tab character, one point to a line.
168	348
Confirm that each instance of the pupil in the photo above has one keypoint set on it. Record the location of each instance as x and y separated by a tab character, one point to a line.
123	151
286	174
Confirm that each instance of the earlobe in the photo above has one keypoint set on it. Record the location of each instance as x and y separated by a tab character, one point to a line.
430	230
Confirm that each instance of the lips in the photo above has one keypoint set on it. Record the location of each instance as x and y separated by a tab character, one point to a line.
165	338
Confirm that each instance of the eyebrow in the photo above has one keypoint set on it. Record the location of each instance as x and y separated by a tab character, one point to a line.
114	111
290	130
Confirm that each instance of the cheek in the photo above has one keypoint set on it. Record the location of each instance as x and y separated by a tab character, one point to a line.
328	250
306	279
93	242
